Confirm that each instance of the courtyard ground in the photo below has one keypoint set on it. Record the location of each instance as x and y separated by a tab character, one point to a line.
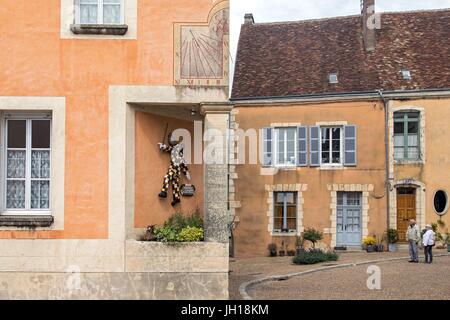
399	279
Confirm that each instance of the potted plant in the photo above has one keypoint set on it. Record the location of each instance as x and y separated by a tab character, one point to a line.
272	249
369	243
392	236
299	242
313	236
380	245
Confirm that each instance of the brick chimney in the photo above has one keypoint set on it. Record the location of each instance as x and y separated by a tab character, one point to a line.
248	18
370	22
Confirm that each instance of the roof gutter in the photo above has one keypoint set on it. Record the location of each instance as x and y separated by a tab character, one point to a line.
345	96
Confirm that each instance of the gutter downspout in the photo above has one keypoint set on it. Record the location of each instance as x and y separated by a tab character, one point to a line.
386	143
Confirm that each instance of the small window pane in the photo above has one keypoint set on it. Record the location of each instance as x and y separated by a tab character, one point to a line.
413	153
399	153
336	133
17	134
40	194
16	164
336	157
88	11
41	134
15	194
40	165
413	127
111	14
399	128
399	140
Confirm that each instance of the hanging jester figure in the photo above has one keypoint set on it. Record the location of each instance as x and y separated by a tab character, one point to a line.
176	168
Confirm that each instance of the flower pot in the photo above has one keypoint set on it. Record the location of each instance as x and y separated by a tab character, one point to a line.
281	253
273	253
370	248
380	248
299	250
393	247
448	247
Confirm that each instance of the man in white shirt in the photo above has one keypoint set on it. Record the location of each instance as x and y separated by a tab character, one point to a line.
413	238
428	243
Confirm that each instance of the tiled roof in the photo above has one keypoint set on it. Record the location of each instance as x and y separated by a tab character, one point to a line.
296	58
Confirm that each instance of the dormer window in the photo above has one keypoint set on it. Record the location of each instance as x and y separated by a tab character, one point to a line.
333	78
406	74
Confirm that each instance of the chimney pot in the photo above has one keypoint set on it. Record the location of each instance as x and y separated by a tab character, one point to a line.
248	18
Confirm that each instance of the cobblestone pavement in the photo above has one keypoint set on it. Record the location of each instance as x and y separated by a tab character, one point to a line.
400	280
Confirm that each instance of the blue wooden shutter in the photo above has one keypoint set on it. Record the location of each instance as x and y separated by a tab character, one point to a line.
302	152
267	143
314	146
350	154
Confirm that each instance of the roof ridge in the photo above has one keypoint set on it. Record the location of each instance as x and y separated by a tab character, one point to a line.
347	17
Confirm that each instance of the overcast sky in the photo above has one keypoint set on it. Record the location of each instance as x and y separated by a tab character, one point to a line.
291	10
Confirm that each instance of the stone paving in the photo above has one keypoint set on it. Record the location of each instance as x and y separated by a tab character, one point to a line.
344	283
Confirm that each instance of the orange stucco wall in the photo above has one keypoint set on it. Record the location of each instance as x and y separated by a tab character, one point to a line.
435	173
34	61
151	166
251	234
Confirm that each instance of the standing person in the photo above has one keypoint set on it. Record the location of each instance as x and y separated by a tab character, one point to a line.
413	238
428	243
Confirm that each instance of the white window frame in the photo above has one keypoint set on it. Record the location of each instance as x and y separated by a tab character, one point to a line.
100	4
275	148
341	146
28	117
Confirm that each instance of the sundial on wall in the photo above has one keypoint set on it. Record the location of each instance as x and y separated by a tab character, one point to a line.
201	50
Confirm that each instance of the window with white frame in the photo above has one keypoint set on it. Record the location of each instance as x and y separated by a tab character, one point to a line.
406	135
99	11
28	163
285	212
331	145
286	146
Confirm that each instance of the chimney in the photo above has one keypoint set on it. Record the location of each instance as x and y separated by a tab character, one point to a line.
370	22
248	19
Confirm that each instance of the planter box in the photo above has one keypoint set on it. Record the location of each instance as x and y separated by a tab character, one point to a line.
196	257
393	247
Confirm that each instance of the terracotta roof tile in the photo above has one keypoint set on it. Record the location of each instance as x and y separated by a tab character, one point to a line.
296	58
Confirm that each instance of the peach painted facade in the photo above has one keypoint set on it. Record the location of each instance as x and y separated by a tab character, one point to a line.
36	61
109	90
253	230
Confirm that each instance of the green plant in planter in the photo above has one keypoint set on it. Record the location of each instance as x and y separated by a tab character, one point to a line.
191	234
166	234
272	249
392	235
313	236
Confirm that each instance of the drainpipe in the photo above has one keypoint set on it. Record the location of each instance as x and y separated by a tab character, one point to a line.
386	144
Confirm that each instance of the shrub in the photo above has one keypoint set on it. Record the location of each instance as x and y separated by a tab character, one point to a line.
166	234
191	234
392	235
314	256
178	221
313	236
370	241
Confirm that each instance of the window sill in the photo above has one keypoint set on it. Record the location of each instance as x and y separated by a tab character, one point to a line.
331	167
26	221
417	162
284	234
100	29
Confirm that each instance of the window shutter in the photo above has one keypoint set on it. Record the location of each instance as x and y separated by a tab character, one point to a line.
267	149
314	146
350	155
302	156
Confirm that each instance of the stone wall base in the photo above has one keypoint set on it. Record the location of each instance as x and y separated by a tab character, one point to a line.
113	286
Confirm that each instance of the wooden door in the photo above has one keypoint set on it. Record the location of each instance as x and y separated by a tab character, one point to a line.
406	210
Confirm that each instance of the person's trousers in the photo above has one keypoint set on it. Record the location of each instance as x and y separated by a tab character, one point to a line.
413	251
428	254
